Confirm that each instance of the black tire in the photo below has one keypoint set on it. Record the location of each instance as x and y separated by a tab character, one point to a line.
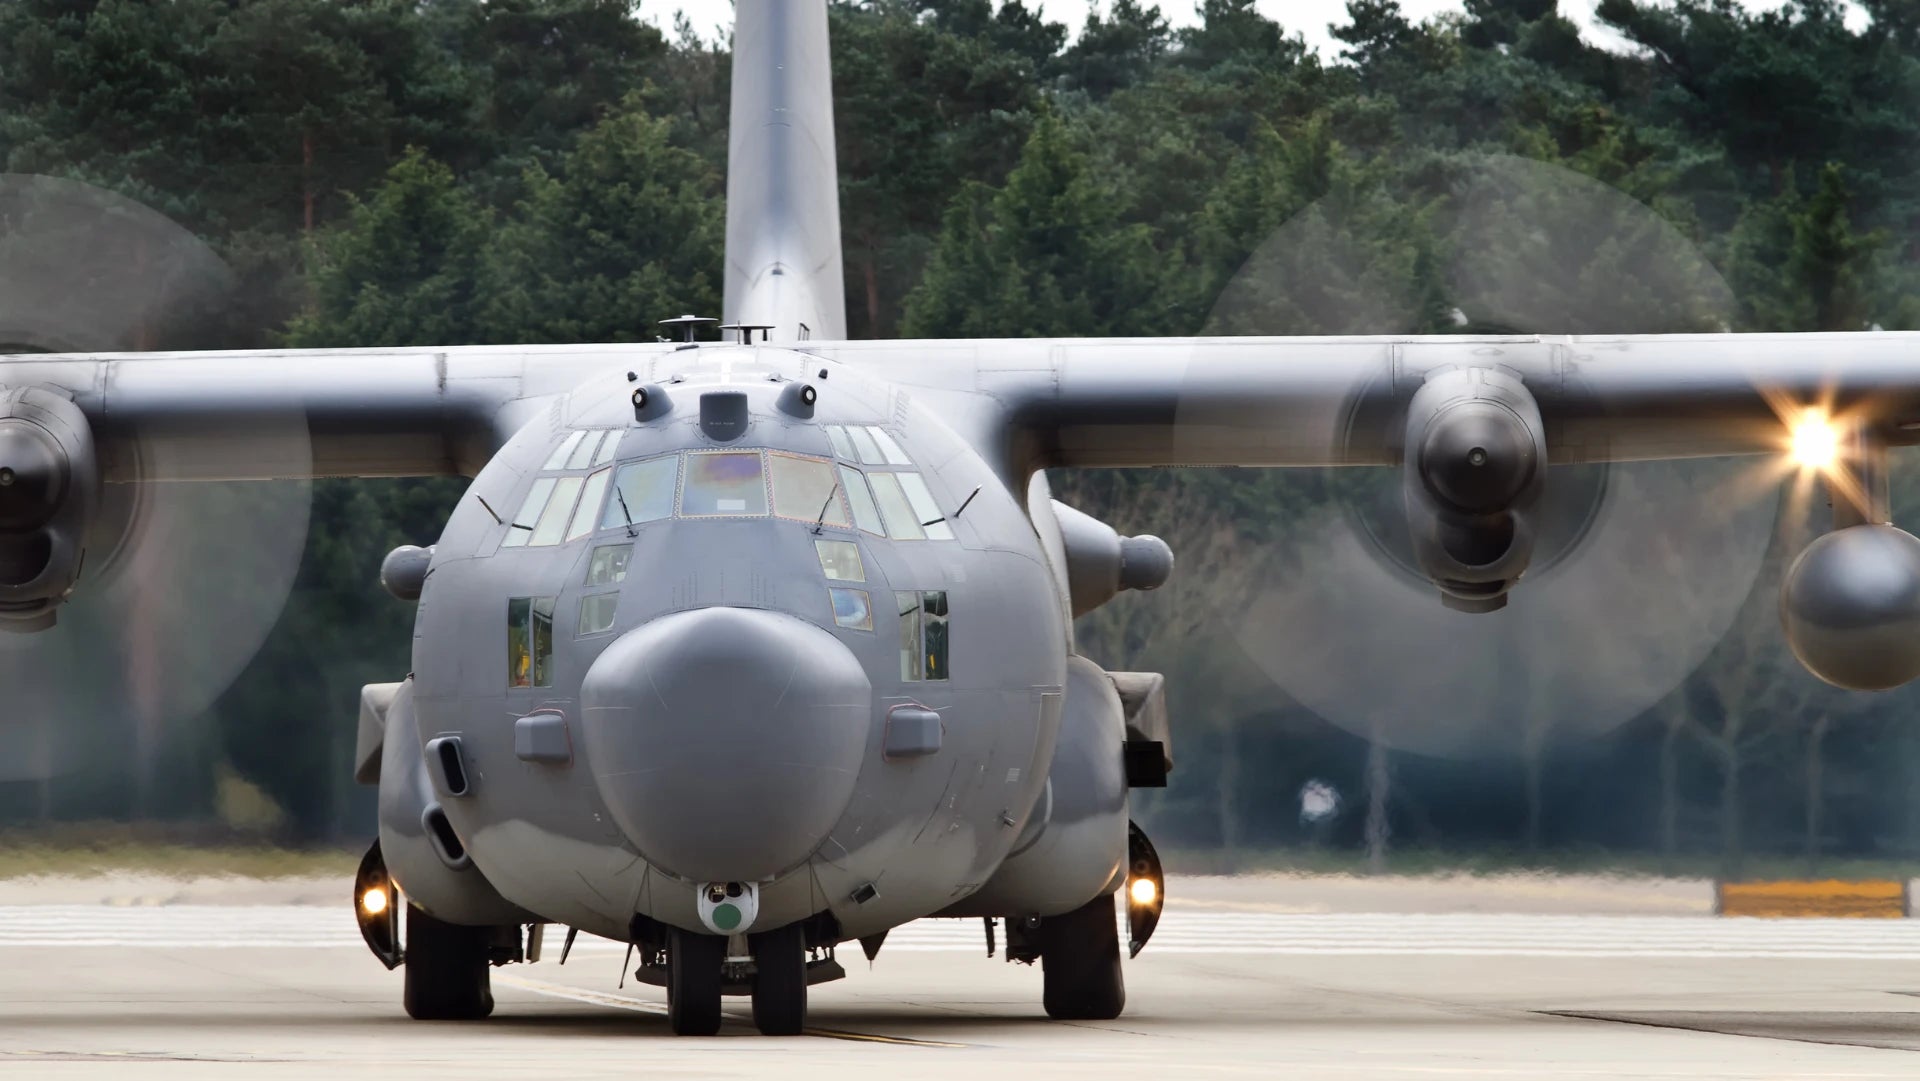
693	982
780	981
447	975
1080	964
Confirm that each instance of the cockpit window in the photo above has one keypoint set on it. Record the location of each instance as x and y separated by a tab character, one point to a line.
642	492
889	449
553	521
524	521
842	446
583	454
608	448
727	482
868	449
854	484
902	523
806	488
840	560
597	612
852	608
558	459
924	508
595	490
609	564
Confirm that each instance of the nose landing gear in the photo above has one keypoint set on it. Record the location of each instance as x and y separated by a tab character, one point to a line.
780	981
699	973
693	982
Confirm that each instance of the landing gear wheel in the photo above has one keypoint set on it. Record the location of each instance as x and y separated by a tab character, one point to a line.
693	982
1080	964
780	983
446	970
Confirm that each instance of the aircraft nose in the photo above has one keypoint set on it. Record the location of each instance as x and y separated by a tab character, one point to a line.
725	741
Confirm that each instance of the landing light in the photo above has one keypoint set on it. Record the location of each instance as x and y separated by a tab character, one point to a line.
374	901
1143	891
1815	442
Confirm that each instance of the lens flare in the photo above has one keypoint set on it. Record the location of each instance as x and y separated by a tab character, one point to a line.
1815	442
1143	891
374	901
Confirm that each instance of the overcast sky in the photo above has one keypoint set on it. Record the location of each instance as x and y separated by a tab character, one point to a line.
1308	17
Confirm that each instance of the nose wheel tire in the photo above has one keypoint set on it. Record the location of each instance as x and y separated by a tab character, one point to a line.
446	970
693	982
1080	964
780	981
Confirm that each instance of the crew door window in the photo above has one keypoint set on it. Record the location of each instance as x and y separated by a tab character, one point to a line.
530	642
924	635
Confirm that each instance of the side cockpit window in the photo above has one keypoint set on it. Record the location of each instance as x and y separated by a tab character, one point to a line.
865	511
607	566
530	642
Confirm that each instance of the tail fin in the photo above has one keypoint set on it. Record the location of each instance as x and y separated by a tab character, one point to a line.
783	190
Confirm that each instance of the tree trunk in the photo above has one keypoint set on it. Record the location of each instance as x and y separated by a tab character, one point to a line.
1534	767
1226	791
1731	854
1816	776
1670	795
1379	781
872	274
306	180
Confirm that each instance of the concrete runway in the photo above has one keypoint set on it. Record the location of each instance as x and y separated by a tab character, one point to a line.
1241	979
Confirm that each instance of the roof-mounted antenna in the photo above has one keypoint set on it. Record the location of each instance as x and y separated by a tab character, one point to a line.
689	325
746	331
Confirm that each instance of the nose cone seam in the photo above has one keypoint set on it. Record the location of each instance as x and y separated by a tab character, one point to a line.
726	741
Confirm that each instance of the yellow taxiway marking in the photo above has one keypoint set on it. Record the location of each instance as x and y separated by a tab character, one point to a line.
640	1005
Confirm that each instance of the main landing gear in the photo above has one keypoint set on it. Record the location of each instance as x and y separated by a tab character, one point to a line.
1080	963
446	969
697	976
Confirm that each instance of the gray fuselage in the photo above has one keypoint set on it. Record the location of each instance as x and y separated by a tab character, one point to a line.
736	686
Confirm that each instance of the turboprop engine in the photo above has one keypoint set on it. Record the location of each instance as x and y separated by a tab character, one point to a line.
1475	463
49	487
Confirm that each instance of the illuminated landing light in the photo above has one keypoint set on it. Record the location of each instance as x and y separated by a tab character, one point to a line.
374	901
1143	891
1815	442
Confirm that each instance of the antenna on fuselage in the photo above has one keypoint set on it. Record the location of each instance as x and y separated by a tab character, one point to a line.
746	331
689	325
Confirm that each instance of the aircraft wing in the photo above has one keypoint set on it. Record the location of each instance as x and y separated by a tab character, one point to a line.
271	414
1342	401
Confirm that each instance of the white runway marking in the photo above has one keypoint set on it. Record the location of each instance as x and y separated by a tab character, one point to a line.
1358	934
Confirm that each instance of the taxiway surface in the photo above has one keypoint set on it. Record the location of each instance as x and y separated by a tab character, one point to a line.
1247	977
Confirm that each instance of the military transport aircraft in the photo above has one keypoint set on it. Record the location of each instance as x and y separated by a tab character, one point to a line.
740	650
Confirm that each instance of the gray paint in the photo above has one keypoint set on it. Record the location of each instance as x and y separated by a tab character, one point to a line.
726	740
1851	606
912	732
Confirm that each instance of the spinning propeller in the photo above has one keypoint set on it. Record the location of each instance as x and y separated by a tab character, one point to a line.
173	585
1457	605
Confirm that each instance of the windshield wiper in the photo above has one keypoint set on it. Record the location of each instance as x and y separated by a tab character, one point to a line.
624	512
820	522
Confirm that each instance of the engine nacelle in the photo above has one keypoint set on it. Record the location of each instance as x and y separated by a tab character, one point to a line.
1101	563
1851	607
49	487
1475	462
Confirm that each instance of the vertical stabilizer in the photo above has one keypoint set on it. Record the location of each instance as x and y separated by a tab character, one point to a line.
783	190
